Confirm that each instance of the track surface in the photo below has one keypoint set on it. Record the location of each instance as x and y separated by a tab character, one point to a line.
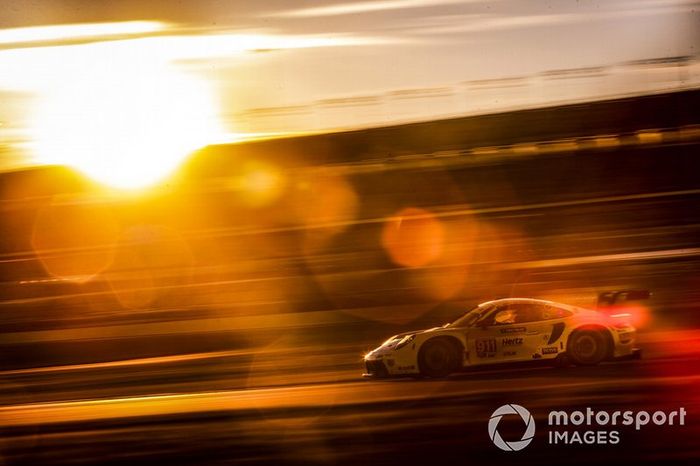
354	420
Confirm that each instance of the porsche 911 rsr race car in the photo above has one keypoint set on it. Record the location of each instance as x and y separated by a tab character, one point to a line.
506	331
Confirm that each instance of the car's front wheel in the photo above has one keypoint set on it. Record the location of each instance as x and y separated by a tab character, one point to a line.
437	358
587	347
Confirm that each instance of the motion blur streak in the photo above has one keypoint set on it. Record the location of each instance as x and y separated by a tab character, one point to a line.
210	212
77	31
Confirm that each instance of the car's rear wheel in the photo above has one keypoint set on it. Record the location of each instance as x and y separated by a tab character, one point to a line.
587	347
437	358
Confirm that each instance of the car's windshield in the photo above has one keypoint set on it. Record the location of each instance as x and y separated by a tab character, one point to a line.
470	317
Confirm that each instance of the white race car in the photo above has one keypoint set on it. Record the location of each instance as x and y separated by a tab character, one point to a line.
506	331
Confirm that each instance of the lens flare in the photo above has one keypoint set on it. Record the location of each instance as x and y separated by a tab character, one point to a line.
152	262
73	240
413	237
259	183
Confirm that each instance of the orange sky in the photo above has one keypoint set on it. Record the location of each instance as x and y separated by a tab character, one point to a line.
249	55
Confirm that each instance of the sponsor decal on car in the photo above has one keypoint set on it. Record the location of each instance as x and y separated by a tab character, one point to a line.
509	353
512	341
550	350
514	330
486	348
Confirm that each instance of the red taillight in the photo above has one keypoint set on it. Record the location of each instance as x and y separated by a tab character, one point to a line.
622	320
636	316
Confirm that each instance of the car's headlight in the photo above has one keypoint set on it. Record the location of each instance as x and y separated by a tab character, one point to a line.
404	341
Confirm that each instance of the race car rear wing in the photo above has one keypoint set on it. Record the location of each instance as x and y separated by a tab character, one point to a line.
608	299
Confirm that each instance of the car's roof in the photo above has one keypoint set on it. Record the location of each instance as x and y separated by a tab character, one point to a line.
531	301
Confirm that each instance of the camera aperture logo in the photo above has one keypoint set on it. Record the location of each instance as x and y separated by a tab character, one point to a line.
589	427
527	418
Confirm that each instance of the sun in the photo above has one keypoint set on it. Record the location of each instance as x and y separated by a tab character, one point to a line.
127	126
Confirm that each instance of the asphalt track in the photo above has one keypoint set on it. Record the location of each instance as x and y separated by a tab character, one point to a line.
343	419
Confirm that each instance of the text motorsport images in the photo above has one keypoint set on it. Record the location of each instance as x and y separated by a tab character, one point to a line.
583	421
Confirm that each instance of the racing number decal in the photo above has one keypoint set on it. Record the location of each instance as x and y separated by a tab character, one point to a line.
486	348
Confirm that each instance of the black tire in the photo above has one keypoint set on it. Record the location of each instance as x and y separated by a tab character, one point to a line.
437	358
587	347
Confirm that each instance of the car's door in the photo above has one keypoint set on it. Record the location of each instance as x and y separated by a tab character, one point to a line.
543	336
501	335
537	330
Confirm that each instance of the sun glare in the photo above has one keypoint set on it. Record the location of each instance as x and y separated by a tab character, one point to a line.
77	31
125	126
125	111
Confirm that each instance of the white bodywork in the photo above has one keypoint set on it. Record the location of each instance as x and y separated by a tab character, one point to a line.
504	342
